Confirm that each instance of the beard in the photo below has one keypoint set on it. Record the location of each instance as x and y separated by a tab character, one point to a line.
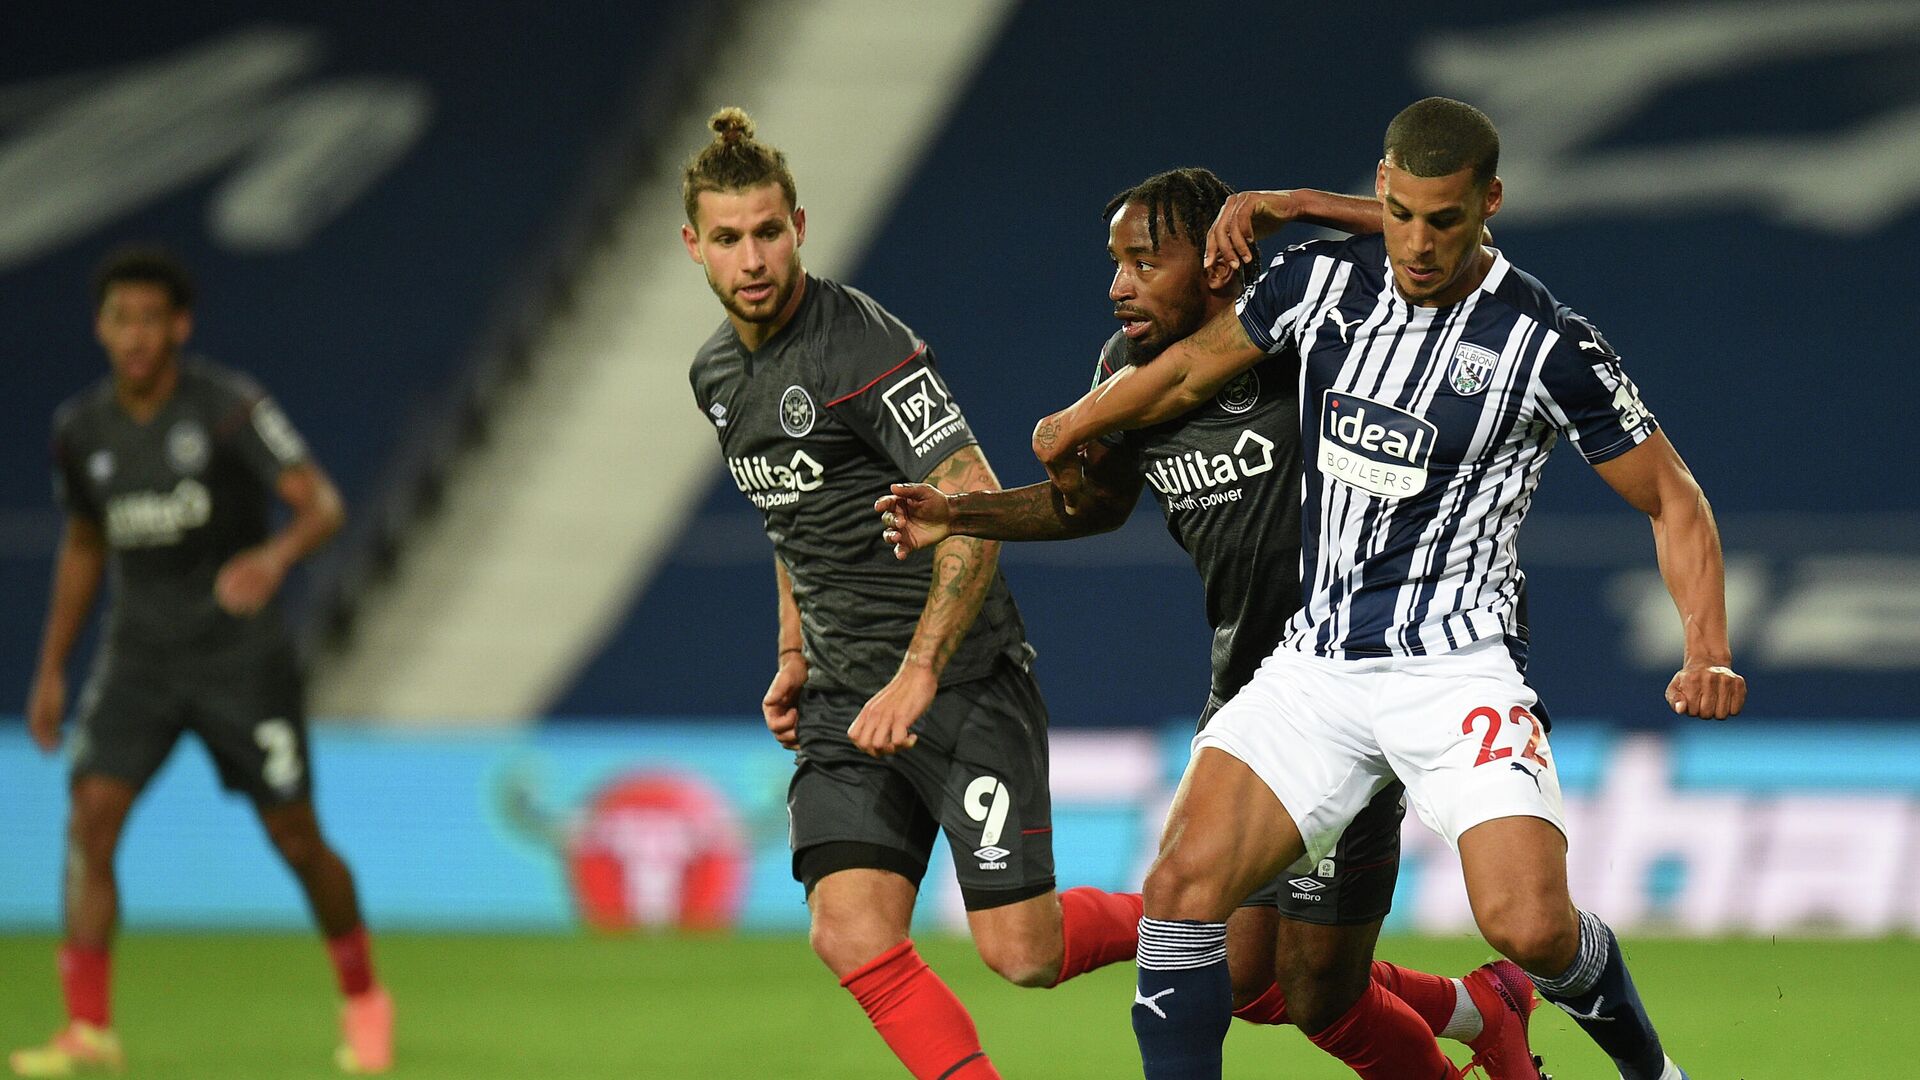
782	293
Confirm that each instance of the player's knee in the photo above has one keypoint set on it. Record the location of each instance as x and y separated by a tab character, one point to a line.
1022	963
1188	882
848	943
1321	986
92	834
1545	941
301	849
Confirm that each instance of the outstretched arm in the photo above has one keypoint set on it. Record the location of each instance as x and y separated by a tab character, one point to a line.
963	569
1183	377
1652	477
916	516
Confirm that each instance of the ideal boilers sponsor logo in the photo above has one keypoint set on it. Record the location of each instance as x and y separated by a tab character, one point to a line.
1195	480
769	485
158	518
1377	448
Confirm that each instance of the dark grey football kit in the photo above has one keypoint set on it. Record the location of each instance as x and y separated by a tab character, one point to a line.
1227	478
176	497
842	402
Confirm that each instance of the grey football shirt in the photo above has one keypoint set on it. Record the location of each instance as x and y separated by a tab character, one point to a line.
1227	477
176	497
842	402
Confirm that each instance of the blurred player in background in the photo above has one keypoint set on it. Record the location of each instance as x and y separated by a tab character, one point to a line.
905	686
1227	477
168	470
1435	378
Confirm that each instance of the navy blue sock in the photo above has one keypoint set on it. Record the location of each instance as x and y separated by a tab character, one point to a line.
1184	1000
1599	994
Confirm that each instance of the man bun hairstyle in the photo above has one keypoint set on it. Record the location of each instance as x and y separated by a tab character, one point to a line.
1185	200
734	161
144	266
1439	136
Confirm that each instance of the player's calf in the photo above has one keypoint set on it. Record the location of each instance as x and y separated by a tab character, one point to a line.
1598	992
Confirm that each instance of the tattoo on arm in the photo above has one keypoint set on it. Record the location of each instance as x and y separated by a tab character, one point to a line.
963	569
1037	512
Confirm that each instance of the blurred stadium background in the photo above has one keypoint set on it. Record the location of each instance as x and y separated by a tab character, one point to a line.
444	235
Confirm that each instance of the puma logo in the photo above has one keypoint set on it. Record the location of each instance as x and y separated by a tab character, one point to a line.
1594	345
1529	773
1594	1016
1333	314
1149	1001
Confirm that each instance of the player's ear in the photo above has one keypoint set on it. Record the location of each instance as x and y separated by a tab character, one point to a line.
799	225
1380	181
692	243
1495	194
180	328
1221	278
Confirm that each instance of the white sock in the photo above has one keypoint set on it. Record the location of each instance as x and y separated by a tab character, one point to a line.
1465	1023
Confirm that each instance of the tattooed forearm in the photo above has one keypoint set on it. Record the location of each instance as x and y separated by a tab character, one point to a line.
1037	512
963	569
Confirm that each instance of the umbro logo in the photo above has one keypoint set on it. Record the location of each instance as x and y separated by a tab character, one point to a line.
1333	316
719	414
1307	884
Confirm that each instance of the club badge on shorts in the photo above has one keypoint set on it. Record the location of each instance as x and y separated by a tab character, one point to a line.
1472	369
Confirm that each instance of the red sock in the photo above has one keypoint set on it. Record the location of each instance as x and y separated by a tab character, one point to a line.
1382	1038
1268	1008
1432	996
352	956
927	1027
1098	928
84	975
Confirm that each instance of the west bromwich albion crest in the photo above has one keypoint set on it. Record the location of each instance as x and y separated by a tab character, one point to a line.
1472	369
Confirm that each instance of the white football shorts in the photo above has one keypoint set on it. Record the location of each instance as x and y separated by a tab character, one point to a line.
1457	728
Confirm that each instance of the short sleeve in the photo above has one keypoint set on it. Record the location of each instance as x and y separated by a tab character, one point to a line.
1586	394
905	410
1271	305
70	489
260	435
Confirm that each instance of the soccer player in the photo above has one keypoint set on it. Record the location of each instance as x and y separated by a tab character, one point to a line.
1227	478
1435	378
167	471
904	686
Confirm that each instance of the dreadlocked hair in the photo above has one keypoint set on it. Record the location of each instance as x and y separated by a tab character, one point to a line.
1185	201
733	161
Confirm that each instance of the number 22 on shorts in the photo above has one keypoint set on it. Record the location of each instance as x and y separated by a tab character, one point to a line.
1488	752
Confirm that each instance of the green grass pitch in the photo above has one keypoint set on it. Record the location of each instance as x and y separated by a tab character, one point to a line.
261	1007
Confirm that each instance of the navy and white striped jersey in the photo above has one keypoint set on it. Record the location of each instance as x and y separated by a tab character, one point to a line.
1423	432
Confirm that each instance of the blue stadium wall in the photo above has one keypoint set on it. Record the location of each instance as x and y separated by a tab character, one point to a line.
360	311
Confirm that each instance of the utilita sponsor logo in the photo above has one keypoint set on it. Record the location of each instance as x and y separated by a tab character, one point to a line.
1376	448
767	484
156	519
1195	481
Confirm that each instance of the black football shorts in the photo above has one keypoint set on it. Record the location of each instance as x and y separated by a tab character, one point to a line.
978	772
1353	885
246	708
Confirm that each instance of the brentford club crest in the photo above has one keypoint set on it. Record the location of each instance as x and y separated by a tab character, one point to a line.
796	412
1241	394
1472	369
